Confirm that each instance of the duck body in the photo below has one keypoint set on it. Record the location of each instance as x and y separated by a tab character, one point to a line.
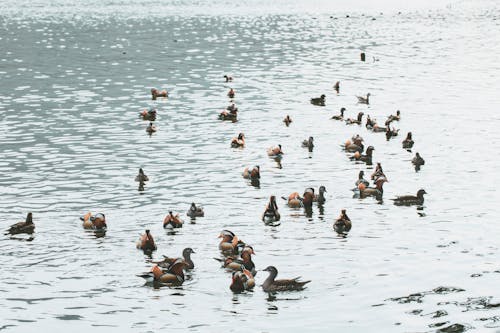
271	213
25	227
273	285
367	158
141	177
357	121
174	275
251	173
410	200
275	152
229	243
146	242
361	180
151	128
319	101
308	198
148	114
231	93
172	221
242	280
309	143
155	93
195	211
340	116
94	222
287	121
418	160
294	200
364	100
238	142
167	262
343	223
408	142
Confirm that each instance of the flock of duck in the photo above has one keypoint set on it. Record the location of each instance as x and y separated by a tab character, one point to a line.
236	255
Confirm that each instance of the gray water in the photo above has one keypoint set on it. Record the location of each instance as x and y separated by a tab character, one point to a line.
73	79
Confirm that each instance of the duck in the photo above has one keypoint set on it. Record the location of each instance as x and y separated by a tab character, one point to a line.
228	78
364	100
155	93
94	222
231	113
378	173
350	121
369	122
232	263
367	158
396	117
320	197
309	143
186	256
231	93
271	212
242	280
308	198
287	120
141	177
238	142
253	173
361	180
26	227
195	211
409	200
272	285
319	101
378	129
377	191
174	275
148	114
408	142
418	161
172	221
151	128
343	223
336	86
340	116
146	242
229	242
356	145
294	200
391	133
275	152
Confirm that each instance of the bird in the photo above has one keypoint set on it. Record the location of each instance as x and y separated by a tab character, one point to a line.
186	256
228	78
146	242
230	243
155	93
26	227
367	158
275	152
172	221
242	280
343	223
195	211
364	100
319	101
417	161
174	275
238	142
287	120
361	180
272	285
95	222
339	117
141	177
271	213
356	121
320	197
251	173
409	200
309	143
408	142
336	87
151	128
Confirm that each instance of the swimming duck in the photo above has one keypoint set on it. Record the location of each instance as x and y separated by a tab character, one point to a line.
231	93
396	117
308	197
151	128
146	242
409	200
376	191
141	177
228	78
320	197
271	285
195	211
148	114
26	227
343	223
253	173
231	115
229	242
361	180
172	221
234	264
238	142
173	276
155	93
341	116
275	152
336	87
378	129
287	120
417	161
309	144
357	121
356	145
319	101
408	142
294	200
186	255
378	172
95	222
369	122
391	133
271	212
367	158
363	100
242	280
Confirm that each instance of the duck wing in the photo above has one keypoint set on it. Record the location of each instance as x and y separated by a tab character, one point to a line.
405	198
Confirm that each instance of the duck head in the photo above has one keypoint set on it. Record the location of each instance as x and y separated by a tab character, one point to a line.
241	136
322	96
342	110
360	116
272	270
361	174
29	218
322	189
186	253
369	151
420	193
408	136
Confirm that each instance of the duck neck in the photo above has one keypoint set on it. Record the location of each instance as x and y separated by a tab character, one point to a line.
270	279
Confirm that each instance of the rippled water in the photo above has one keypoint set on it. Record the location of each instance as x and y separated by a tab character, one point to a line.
73	79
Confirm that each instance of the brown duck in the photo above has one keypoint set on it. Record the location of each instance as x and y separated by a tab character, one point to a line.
272	285
26	227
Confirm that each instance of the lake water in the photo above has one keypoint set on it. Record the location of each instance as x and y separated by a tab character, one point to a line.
73	79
